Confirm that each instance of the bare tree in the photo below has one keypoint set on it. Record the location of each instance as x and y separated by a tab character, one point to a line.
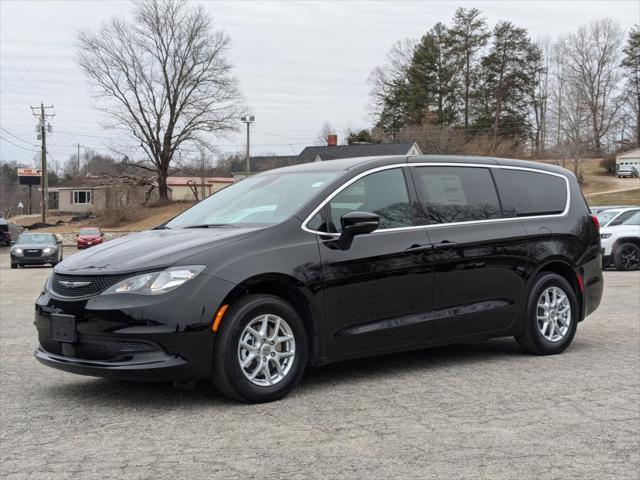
324	132
592	56
163	77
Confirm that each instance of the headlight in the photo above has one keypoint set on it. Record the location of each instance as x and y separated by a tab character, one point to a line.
155	283
48	249
18	251
604	235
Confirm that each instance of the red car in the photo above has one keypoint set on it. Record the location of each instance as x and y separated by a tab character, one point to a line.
89	237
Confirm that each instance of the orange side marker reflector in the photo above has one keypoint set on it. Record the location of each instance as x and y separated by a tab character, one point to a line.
218	317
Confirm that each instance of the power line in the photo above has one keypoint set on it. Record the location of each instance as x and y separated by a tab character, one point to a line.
16	145
15	136
24	64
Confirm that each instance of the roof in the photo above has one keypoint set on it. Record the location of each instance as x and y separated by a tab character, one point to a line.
86	182
366	163
184	181
325	152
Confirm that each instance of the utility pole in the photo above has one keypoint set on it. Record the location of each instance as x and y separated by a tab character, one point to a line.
248	119
42	128
78	145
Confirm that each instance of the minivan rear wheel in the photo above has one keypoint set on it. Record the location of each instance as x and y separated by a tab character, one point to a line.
551	318
260	351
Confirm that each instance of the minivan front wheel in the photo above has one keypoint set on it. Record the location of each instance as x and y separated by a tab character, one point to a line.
260	350
552	316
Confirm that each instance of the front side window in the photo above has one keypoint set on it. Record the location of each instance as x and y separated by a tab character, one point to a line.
81	196
627	218
256	200
458	194
383	193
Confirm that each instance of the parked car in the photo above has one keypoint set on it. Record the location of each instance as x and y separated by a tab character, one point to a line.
5	232
598	209
88	237
606	217
621	241
327	261
36	249
627	171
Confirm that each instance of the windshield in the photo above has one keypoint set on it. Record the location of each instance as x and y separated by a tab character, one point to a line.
258	200
89	231
36	238
606	216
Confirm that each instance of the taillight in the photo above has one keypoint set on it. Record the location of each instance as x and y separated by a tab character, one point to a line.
596	222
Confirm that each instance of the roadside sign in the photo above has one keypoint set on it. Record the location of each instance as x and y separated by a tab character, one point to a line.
29	176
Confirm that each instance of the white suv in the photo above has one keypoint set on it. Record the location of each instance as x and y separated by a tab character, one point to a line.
620	240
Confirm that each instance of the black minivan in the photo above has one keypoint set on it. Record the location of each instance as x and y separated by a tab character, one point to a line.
327	261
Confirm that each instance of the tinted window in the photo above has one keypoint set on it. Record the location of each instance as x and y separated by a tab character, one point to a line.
383	193
535	193
458	194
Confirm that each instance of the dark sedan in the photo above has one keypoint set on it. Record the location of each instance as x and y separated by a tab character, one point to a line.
36	249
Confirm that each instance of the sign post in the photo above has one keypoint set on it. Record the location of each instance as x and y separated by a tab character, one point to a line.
30	177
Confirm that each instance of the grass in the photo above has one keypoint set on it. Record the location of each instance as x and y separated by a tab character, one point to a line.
629	197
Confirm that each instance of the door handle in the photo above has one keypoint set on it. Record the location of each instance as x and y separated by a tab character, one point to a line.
417	249
446	245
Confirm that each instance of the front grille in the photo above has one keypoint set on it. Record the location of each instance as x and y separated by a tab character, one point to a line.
97	284
32	252
93	351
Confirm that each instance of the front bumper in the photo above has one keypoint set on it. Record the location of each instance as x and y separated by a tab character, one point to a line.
134	337
33	260
158	367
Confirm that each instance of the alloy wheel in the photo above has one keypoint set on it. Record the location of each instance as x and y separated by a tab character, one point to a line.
266	350
554	314
629	258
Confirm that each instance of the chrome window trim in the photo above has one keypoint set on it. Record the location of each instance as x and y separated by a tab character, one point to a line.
438	225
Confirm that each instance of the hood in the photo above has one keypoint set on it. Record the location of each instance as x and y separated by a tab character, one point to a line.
621	229
148	250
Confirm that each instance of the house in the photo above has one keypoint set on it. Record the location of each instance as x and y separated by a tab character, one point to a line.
182	187
630	158
93	193
333	151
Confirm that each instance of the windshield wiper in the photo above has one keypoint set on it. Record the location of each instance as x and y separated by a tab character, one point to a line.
211	225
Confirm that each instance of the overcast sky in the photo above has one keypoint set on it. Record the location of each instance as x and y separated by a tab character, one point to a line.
299	63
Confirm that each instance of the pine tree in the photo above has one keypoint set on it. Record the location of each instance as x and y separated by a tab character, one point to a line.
506	81
631	64
468	36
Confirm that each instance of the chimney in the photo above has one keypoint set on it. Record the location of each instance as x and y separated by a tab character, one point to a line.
332	140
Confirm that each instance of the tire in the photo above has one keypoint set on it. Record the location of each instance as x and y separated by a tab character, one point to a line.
627	257
533	340
230	378
13	265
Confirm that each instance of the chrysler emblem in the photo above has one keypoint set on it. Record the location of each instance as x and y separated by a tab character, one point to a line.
74	284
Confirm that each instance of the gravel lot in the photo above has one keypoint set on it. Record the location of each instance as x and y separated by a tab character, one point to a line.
471	411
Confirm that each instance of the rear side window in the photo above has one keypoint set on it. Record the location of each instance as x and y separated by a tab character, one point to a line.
533	193
383	193
458	194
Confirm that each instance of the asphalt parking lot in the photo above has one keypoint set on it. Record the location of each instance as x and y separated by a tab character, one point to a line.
481	410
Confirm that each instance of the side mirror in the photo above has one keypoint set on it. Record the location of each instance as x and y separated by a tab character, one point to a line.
356	223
